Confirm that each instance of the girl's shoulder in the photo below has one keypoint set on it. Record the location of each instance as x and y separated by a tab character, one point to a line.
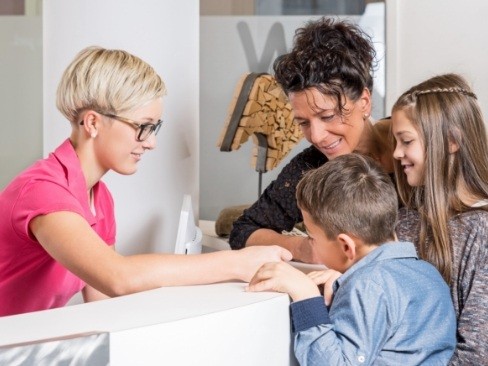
476	217
472	218
470	226
407	227
408	216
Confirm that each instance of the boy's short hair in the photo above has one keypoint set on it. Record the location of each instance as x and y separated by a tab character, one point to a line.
351	194
108	81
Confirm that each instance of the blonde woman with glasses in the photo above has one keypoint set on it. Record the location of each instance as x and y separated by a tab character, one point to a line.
57	232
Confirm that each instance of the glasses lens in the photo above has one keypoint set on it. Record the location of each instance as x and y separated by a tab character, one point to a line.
157	127
146	130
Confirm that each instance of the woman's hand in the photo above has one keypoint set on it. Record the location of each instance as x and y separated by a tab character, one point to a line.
298	245
252	258
327	279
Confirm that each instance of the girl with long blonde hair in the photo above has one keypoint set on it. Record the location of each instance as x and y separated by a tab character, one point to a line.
441	170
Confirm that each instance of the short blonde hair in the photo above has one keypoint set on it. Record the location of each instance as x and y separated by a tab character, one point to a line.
108	81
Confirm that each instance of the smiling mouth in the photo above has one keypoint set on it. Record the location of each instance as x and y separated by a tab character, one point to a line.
333	145
407	167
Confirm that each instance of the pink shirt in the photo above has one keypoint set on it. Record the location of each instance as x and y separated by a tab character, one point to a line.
30	279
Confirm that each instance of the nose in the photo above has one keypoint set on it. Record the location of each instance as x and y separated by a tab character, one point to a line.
150	142
398	152
317	132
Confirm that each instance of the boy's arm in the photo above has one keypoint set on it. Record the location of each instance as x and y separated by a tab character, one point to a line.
349	335
325	278
354	332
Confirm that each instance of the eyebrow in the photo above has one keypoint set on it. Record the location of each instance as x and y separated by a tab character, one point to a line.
316	113
402	132
149	120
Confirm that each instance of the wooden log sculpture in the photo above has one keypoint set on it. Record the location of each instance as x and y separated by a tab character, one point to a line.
259	108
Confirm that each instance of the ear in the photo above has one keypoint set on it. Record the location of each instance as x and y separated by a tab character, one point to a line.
453	147
365	102
91	121
454	137
348	246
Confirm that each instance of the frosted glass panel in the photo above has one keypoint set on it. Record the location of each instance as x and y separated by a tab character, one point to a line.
20	94
229	47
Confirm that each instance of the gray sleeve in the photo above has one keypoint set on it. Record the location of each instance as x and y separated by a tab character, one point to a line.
471	294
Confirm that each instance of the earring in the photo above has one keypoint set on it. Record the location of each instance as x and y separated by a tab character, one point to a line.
365	116
93	135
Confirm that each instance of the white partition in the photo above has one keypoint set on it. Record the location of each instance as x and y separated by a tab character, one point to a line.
230	47
212	325
427	38
166	35
20	94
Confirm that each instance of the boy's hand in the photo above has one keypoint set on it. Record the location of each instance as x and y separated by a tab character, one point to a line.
282	277
327	279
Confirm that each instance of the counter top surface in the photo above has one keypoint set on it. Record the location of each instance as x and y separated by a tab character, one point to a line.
146	308
211	241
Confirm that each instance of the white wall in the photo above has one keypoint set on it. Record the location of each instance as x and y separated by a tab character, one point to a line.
427	38
166	35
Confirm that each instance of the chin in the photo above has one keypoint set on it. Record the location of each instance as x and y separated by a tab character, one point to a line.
125	171
413	182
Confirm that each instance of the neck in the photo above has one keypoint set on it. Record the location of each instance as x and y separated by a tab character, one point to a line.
88	162
375	144
363	250
367	142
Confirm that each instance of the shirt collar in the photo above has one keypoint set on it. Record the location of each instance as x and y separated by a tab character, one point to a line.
390	250
66	155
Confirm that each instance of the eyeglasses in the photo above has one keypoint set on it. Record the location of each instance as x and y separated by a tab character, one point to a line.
144	129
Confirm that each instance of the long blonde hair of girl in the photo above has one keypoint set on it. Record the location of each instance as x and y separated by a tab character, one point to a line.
444	110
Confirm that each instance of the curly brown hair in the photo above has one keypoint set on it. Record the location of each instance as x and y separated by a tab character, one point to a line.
334	56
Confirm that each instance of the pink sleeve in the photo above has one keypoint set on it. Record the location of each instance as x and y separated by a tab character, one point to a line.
40	198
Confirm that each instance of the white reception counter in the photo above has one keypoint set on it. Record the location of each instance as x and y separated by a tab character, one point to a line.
217	324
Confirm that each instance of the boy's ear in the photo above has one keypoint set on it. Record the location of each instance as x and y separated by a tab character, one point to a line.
348	246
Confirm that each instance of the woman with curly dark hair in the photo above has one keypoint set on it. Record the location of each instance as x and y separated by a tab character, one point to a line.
328	78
